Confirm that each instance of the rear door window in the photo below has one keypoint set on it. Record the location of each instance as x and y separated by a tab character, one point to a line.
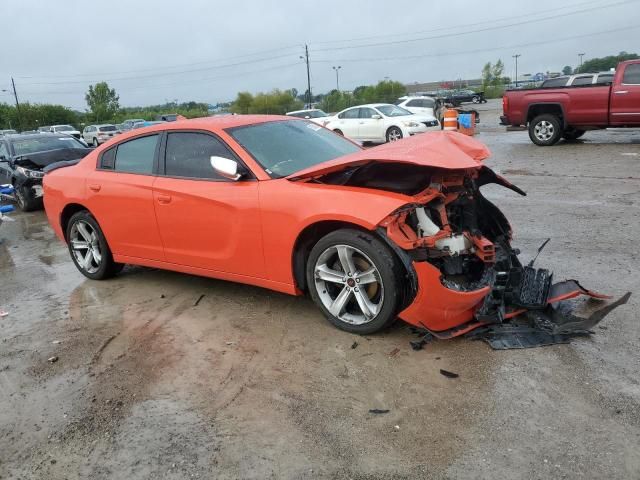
605	78
188	154
584	80
555	82
367	113
353	113
632	74
137	155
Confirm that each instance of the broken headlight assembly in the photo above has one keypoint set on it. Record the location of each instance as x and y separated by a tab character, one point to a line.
30	173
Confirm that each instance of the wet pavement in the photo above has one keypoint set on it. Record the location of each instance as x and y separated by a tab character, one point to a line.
250	383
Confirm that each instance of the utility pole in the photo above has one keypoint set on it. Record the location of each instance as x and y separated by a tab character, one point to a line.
516	57
581	55
337	79
306	59
15	95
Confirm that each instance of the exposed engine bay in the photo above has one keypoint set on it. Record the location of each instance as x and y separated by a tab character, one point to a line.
453	227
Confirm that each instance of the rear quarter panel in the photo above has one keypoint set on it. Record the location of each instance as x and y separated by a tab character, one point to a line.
288	207
62	187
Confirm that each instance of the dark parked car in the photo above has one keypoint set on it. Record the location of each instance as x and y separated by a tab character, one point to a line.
463	96
23	157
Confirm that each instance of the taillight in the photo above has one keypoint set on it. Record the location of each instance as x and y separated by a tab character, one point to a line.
505	104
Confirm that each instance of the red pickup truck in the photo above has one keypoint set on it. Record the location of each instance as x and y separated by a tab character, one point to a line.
567	112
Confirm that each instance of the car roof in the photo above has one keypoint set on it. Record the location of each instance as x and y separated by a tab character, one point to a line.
210	123
34	135
306	110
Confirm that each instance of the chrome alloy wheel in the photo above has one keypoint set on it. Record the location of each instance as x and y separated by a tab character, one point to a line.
349	284
394	135
544	130
85	246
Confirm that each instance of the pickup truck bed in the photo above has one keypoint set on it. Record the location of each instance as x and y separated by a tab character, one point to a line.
568	112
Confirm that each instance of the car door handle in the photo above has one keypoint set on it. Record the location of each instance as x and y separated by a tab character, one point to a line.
621	92
164	198
94	187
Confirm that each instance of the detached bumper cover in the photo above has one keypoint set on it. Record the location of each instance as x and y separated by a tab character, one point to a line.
531	313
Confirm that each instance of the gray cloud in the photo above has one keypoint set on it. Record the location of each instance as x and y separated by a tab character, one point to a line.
152	51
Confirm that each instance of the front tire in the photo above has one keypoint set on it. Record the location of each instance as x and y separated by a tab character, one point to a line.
475	99
95	142
394	134
545	130
26	199
89	249
339	132
354	279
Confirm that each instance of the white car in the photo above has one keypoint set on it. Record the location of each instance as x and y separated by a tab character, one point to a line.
98	134
419	105
379	123
66	129
314	114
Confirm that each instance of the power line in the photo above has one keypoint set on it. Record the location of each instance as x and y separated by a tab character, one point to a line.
469	32
138	77
163	85
479	50
458	26
164	67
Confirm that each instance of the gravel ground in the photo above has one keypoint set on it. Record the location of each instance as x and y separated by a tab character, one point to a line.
254	384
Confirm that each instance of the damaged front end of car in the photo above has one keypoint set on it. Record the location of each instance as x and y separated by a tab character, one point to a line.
470	279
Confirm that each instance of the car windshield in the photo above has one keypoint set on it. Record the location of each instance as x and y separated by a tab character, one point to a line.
285	147
64	128
36	144
393	111
108	128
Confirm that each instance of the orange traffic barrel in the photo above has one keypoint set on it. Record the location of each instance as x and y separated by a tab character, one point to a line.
450	119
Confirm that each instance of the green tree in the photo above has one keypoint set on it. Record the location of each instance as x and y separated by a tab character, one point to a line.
243	102
567	70
602	64
102	101
496	73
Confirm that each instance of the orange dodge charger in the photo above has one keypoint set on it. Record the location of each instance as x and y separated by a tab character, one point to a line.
396	231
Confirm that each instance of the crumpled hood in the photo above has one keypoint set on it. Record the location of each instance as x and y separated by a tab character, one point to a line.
445	149
42	159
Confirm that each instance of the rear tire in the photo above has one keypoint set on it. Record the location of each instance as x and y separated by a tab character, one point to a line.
545	130
371	293
88	247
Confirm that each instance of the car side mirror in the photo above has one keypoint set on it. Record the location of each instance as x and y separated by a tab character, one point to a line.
227	168
376	116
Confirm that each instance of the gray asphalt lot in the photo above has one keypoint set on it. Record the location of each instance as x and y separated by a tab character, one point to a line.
254	384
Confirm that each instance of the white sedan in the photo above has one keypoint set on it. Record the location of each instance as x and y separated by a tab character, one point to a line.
379	123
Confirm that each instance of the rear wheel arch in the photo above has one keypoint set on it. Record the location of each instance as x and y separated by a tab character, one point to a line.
69	211
538	109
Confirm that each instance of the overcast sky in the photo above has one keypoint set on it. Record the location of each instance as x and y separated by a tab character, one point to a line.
157	50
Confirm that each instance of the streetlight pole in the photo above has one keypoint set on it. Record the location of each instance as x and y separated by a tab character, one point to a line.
306	59
581	55
516	57
337	77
